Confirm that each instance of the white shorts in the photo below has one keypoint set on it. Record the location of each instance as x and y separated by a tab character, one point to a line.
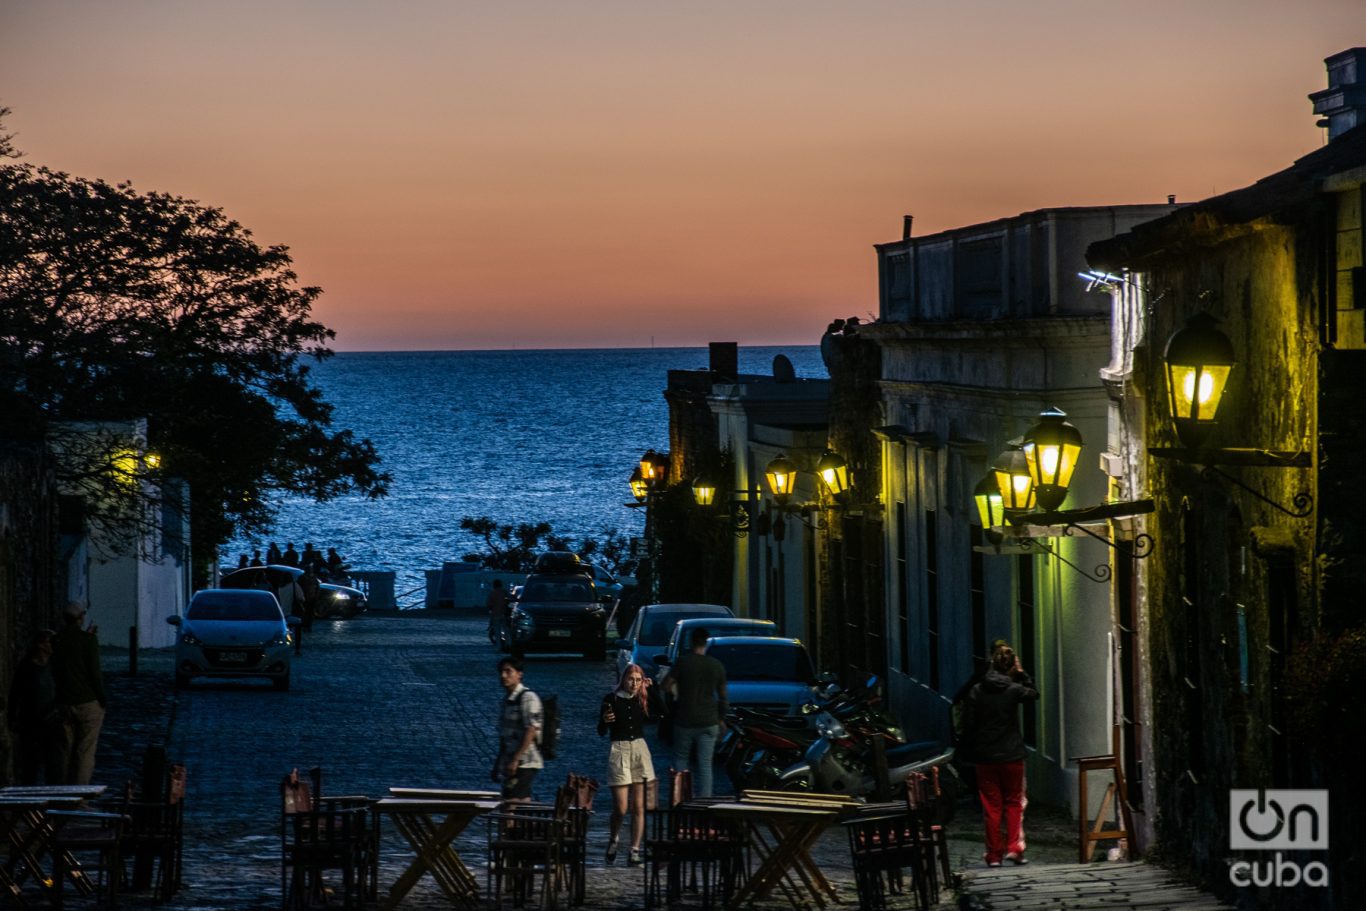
628	762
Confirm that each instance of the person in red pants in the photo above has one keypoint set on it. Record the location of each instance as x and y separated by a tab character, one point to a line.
992	742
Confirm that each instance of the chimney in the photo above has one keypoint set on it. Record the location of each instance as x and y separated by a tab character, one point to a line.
725	359
906	226
1343	103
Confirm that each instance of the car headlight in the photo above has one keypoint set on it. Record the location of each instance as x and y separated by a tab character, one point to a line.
188	638
341	596
521	619
280	638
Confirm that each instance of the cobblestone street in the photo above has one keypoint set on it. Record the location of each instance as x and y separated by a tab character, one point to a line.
378	702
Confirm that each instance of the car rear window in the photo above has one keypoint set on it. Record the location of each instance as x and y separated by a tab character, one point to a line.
656	630
568	590
209	606
764	662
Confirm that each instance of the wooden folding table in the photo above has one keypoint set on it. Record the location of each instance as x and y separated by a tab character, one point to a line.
430	826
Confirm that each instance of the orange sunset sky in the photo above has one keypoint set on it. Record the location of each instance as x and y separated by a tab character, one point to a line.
595	174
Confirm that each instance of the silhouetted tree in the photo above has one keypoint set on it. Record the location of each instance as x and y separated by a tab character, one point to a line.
118	304
514	547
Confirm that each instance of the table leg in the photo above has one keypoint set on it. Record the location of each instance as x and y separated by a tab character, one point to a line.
432	844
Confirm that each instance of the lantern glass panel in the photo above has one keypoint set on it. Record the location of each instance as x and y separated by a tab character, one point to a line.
1196	391
704	492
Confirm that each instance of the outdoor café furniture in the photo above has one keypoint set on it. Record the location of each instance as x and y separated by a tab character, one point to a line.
782	828
430	826
688	847
527	842
86	847
31	818
322	838
884	841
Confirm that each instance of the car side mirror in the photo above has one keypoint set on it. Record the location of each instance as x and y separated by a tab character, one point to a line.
622	644
293	621
661	660
174	621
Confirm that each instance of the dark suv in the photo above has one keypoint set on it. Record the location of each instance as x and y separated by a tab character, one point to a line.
558	612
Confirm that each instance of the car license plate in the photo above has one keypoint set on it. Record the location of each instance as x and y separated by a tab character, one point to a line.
561	633
232	657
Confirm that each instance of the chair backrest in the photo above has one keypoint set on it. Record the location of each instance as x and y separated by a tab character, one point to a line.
680	786
295	796
583	789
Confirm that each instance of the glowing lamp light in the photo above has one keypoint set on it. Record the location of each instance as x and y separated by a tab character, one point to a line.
1013	480
782	476
639	489
834	471
1051	448
654	468
704	490
990	508
1199	359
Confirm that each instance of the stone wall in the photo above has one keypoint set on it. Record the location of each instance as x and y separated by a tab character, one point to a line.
28	539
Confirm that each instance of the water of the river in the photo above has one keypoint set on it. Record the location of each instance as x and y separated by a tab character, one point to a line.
519	436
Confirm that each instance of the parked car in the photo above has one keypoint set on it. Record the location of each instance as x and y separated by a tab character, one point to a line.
681	638
608	586
334	600
558	613
766	673
649	633
234	633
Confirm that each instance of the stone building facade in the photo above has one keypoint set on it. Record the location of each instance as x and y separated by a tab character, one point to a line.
1250	611
981	329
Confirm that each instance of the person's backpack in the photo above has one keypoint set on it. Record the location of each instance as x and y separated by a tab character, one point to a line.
550	726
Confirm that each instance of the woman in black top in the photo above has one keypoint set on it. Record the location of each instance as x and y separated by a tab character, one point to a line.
630	772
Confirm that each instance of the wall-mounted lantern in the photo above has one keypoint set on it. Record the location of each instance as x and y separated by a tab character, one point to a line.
1013	480
654	468
1050	449
781	474
1199	361
639	489
1036	471
834	471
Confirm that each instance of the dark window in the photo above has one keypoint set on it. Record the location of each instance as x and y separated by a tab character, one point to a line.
238	605
978	597
1282	620
1129	676
903	620
978	277
1025	645
932	596
759	662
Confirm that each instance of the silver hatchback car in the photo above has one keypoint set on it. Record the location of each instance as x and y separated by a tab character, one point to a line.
230	633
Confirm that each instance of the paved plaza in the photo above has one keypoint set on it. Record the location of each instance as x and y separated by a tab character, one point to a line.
386	701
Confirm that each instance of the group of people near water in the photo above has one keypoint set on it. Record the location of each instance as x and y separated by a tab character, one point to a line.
331	566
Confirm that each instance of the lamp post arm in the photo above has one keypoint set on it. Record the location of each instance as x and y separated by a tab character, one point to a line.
1102	573
1303	502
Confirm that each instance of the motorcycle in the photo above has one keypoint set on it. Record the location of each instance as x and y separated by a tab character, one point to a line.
838	763
758	747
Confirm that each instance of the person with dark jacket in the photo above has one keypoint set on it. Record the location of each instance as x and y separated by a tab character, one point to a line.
630	770
80	692
992	741
697	681
34	716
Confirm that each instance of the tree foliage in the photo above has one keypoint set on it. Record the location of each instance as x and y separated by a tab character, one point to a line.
514	547
119	304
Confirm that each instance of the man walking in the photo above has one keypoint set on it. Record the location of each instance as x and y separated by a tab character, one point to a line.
80	692
519	730
698	684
